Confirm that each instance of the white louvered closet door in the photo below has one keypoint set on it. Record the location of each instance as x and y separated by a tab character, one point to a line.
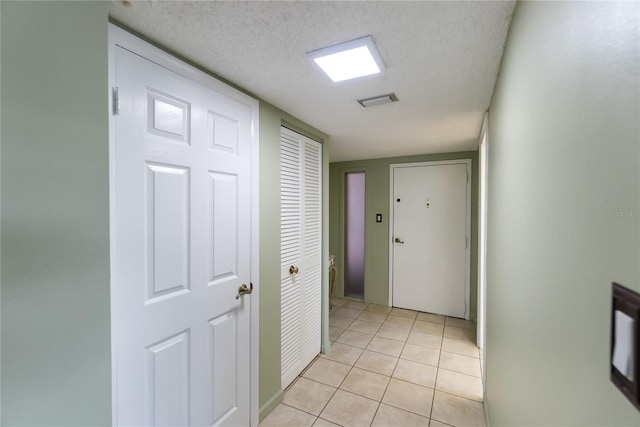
301	243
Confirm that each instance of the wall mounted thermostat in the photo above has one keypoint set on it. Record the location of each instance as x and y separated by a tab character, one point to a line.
378	217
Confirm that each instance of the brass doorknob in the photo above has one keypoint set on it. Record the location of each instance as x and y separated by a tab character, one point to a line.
244	289
397	240
293	269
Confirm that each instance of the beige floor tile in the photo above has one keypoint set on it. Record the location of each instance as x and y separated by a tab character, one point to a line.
334	333
418	353
433	318
348	409
327	372
456	333
355	339
388	416
364	327
370	316
393	333
402	312
324	423
285	415
309	396
459	384
457	411
379	309
460	347
460	323
356	304
386	346
345	311
377	362
343	353
338	321
411	397
416	373
338	302
399	322
459	363
425	340
307	368
365	383
432	423
428	327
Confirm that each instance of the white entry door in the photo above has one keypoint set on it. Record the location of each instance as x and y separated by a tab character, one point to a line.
181	200
430	245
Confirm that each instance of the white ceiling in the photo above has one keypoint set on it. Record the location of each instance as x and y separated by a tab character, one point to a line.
442	61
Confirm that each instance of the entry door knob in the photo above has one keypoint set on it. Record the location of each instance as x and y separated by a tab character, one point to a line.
397	240
293	270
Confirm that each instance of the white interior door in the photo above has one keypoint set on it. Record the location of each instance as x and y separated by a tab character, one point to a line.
181	168
430	238
301	244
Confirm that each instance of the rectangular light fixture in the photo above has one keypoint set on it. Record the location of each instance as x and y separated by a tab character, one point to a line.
348	60
378	100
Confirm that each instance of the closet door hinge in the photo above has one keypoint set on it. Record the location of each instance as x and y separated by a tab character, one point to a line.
466	242
115	101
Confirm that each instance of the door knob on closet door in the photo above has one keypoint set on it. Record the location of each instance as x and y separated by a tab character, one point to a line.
397	240
293	270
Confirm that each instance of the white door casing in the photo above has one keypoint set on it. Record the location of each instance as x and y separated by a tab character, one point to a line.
483	160
430	237
184	238
301	249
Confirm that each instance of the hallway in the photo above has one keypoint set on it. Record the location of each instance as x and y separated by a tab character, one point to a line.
388	367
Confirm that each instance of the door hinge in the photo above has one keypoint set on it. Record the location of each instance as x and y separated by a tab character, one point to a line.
115	100
467	176
466	242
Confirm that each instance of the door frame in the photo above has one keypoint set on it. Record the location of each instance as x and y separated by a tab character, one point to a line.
342	206
483	175
468	163
119	37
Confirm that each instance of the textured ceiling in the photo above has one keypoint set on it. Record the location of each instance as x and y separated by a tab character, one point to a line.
442	61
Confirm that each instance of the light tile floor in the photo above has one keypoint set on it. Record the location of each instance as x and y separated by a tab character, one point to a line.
388	367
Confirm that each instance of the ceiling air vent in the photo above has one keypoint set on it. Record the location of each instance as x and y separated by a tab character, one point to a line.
378	100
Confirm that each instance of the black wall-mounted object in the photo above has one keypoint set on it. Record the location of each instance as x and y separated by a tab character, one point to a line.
378	217
625	342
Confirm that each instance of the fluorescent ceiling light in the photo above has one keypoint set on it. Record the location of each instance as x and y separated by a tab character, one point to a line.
348	60
378	100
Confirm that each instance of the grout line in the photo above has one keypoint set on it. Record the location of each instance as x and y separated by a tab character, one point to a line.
388	382
298	409
460	397
404	344
406	410
435	382
354	365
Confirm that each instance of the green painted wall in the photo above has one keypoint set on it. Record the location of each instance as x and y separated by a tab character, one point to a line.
55	304
377	234
563	222
56	355
271	119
